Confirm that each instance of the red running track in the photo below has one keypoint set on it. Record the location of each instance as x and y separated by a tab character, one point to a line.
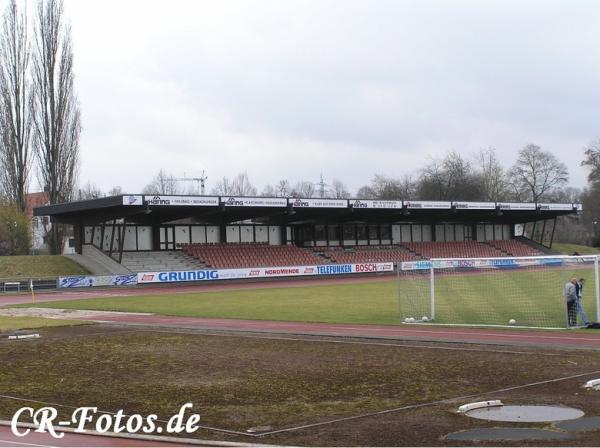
546	338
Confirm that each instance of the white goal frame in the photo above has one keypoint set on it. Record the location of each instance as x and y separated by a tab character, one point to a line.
435	264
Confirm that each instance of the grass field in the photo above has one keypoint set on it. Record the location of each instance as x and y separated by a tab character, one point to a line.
9	323
38	266
356	303
569	249
532	298
238	382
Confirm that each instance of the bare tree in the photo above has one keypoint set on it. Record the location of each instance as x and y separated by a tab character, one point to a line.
57	118
592	160
242	186
281	189
339	190
303	189
450	178
382	187
162	183
89	191
492	176
269	191
536	174
239	186
223	187
16	105
115	191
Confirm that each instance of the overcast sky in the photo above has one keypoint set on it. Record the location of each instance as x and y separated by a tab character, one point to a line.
290	89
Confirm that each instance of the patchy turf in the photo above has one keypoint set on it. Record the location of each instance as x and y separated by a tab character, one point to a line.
237	383
37	266
22	323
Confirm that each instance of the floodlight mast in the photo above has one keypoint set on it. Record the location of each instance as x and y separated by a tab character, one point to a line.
200	180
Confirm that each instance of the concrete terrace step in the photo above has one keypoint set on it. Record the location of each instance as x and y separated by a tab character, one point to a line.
159	261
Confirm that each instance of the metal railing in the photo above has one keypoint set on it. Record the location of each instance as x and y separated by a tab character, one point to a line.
23	284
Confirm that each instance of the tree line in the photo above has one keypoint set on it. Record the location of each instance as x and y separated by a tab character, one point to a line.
39	111
535	176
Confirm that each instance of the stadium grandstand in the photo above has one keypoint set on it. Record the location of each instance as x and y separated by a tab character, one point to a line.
144	233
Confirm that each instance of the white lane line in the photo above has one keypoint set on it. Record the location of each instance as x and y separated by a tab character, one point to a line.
12	443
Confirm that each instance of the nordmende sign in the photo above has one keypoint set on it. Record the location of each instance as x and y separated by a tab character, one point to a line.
279	271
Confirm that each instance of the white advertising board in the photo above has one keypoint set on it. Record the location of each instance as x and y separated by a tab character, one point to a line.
375	204
319	203
474	205
280	271
428	204
133	199
179	201
253	202
517	206
558	207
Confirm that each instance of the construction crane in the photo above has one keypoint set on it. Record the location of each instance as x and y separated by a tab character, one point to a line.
200	180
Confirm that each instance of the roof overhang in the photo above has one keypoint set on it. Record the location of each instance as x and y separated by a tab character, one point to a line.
158	209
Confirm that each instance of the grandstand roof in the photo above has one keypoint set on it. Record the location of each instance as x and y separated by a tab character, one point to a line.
157	209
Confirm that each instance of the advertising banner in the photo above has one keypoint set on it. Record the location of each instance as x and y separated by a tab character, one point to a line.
517	206
182	201
269	272
133	200
428	204
90	281
559	207
319	203
253	202
474	205
367	203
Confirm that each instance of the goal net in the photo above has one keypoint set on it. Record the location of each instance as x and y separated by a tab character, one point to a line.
518	291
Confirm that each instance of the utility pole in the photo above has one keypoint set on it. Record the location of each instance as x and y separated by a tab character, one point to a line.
200	180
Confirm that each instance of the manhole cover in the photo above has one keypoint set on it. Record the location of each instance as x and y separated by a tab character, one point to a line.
527	414
485	434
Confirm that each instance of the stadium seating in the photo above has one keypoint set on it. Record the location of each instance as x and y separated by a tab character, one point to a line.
367	254
454	249
515	248
239	255
255	255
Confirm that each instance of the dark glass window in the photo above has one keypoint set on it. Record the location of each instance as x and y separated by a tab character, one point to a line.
349	232
334	233
361	231
386	232
373	233
320	233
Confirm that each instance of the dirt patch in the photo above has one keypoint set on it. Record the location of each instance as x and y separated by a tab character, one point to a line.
238	383
59	313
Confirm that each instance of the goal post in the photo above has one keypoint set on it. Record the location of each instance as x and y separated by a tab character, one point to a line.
519	291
